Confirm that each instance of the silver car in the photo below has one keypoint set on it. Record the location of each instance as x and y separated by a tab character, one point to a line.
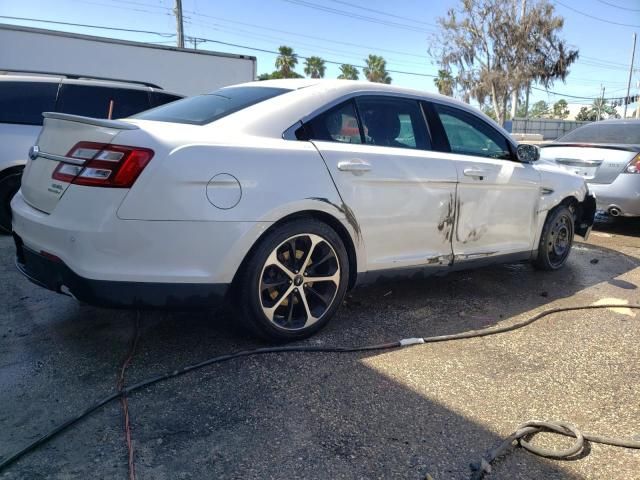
607	155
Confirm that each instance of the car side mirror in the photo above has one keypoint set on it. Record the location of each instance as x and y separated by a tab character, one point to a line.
527	153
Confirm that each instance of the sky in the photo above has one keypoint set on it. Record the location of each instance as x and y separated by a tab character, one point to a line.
346	31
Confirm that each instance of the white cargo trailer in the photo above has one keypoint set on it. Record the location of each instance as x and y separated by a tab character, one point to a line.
180	70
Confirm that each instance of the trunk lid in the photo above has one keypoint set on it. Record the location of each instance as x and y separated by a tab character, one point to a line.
595	163
60	133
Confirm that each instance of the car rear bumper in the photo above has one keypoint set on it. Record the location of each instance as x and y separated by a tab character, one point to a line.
622	194
52	273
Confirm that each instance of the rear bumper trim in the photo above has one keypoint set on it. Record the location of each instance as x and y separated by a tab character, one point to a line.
58	277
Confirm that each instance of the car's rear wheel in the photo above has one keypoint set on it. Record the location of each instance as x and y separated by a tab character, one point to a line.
556	239
9	186
294	281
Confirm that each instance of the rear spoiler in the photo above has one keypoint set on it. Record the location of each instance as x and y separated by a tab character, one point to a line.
610	146
99	122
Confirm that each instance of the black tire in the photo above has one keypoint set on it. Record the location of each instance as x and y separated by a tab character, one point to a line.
9	186
556	239
265	288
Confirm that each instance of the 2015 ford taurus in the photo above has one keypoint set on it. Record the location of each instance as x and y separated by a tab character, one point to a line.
281	195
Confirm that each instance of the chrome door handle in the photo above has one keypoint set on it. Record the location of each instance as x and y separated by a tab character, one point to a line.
475	173
354	166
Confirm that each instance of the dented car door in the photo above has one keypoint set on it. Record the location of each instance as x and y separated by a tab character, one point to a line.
401	192
498	196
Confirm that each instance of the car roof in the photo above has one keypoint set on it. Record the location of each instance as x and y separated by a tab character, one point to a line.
53	78
309	96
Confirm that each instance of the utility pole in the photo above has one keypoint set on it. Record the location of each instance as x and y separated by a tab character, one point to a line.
633	52
601	103
516	91
179	23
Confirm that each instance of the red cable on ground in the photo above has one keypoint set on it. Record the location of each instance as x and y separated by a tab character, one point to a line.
123	399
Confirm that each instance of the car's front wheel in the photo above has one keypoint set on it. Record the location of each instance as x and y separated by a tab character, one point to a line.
556	239
294	281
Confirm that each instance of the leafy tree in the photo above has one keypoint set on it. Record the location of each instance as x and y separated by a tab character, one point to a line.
590	114
539	110
348	72
276	75
585	115
495	53
376	69
488	111
286	61
561	109
314	67
444	82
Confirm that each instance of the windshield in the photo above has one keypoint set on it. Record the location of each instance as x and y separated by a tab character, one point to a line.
603	132
203	109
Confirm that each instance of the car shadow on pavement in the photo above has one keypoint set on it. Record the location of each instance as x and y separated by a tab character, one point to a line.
274	416
619	226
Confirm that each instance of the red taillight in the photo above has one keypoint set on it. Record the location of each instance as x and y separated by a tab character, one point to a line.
105	165
634	165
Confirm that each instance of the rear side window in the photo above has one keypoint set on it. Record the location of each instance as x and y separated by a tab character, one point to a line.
24	102
203	109
95	101
161	98
393	122
469	135
340	124
603	132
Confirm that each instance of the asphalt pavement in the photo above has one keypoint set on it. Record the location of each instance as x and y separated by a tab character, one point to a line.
426	410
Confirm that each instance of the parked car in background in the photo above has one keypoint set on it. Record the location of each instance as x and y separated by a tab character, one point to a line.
607	155
23	98
278	196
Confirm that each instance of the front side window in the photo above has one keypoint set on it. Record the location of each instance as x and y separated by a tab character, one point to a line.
24	102
340	124
96	101
469	135
393	122
203	109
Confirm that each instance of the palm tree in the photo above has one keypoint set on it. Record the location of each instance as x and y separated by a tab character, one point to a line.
348	72
376	69
314	67
286	61
444	82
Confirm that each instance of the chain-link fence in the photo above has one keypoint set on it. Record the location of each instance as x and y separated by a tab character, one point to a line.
550	129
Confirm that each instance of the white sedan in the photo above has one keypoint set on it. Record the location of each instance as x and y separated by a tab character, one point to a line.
281	196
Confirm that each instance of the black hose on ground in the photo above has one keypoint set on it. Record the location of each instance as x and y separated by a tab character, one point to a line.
479	469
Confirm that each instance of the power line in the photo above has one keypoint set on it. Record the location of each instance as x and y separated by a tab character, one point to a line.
117	29
362	7
618	6
594	17
357	16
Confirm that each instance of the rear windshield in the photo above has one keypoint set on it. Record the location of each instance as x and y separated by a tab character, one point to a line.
24	102
601	132
213	106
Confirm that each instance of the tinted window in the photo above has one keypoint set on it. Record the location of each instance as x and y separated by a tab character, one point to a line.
469	135
161	98
94	101
339	124
208	108
24	102
392	122
602	132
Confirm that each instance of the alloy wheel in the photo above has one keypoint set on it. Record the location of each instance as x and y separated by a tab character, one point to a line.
299	281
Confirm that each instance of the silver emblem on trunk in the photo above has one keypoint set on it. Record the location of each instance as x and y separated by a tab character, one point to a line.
34	151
